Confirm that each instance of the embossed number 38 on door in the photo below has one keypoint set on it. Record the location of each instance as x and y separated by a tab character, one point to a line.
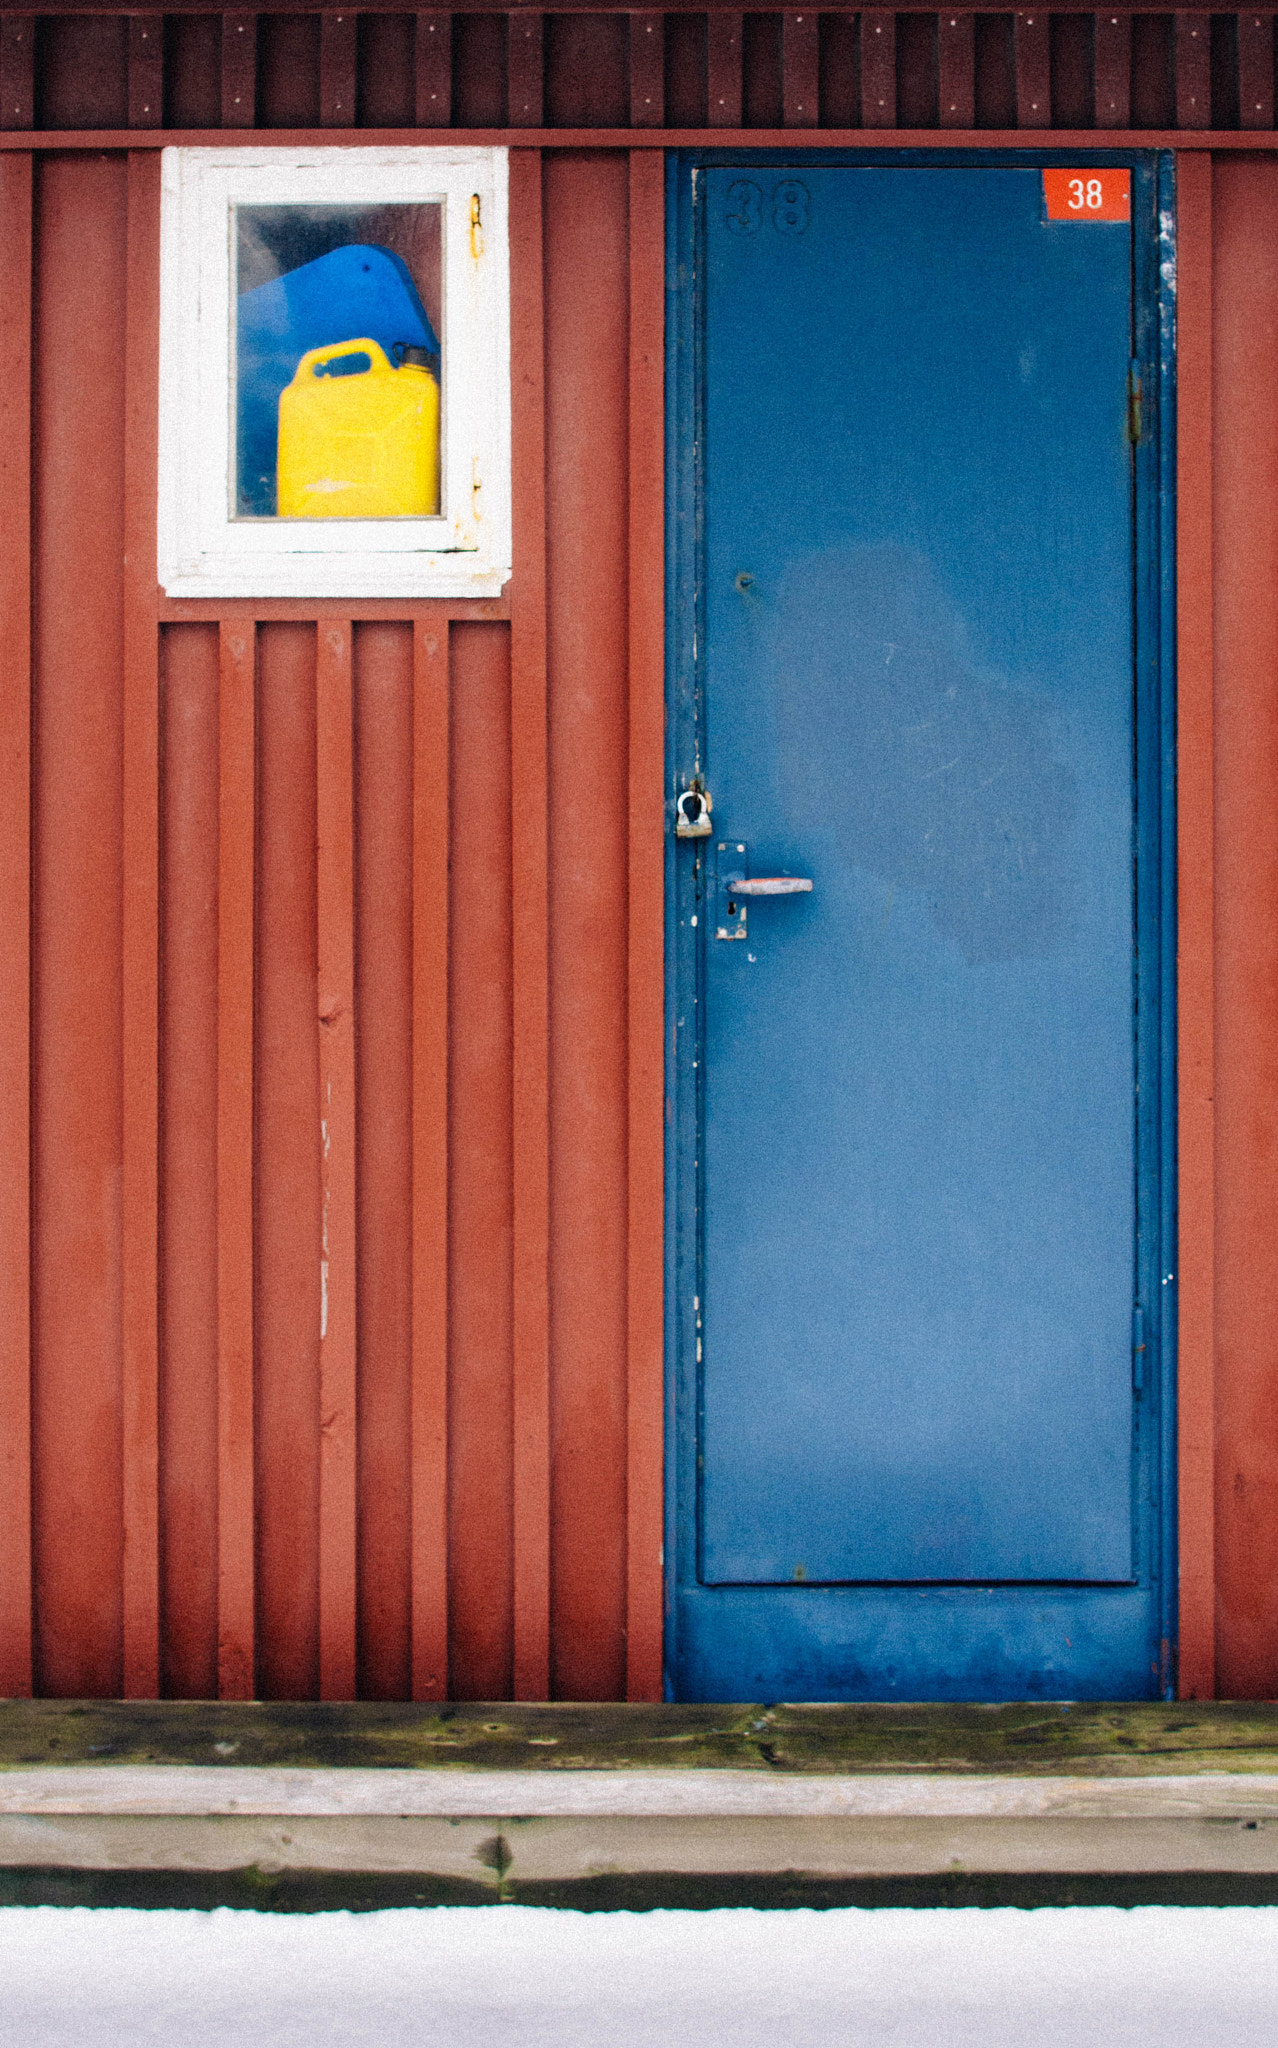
745	207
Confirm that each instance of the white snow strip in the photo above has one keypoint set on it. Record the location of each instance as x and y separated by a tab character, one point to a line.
514	1977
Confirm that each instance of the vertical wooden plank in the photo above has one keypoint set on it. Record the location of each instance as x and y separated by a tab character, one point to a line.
525	82
429	1399
288	80
287	1162
645	1017
878	68
141	911
1195	916
81	260
1244	307
239	70
723	70
1113	70
193	71
17	71
530	856
647	70
586	230
15	929
337	70
839	68
188	1162
957	53
479	52
1255	70
382	660
237	831
799	75
434	69
1033	70
146	70
1193	70
335	900
485	1490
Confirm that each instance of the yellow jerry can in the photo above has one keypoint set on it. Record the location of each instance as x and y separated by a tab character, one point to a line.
358	439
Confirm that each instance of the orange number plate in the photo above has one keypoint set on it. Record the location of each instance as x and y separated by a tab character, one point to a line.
1088	195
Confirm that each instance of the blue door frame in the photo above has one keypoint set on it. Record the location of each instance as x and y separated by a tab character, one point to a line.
920	1638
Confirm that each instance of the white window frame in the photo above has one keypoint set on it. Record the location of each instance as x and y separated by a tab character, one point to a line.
203	551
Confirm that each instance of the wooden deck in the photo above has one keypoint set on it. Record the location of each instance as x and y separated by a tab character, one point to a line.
304	1806
1039	1739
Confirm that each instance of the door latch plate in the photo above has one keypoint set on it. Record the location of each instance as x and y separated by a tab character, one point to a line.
729	908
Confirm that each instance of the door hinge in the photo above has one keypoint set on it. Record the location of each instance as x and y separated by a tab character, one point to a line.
1133	404
1138	1348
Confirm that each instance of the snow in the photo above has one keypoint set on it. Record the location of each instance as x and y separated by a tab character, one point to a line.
519	1977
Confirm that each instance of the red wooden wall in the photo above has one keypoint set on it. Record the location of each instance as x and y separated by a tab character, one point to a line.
330	970
337	1375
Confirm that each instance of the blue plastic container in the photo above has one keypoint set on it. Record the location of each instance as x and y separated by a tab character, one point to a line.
351	292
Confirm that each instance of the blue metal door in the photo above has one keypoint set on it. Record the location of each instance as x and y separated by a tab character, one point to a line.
920	1272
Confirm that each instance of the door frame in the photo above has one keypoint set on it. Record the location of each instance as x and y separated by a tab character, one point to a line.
1154	668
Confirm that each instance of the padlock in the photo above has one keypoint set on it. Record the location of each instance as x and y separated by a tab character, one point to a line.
692	813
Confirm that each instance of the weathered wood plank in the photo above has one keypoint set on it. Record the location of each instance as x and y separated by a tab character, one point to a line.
1089	1739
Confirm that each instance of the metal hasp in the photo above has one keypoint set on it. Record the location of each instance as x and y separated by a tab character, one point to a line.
734	884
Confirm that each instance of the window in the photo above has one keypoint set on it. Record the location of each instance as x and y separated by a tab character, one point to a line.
334	373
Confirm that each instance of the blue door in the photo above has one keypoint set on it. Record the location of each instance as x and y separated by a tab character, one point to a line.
920	1284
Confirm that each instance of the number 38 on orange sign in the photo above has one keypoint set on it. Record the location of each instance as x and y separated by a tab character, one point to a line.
1088	195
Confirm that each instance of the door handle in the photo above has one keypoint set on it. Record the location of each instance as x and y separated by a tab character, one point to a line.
733	887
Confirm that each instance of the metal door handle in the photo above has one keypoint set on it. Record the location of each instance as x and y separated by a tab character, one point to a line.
732	886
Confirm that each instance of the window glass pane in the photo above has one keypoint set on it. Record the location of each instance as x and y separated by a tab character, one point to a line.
337	361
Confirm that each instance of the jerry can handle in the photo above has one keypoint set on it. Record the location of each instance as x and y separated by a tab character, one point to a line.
313	362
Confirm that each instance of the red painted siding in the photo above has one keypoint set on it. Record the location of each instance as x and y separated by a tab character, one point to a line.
384	1168
188	1162
586	379
480	1136
1245	324
76	1020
